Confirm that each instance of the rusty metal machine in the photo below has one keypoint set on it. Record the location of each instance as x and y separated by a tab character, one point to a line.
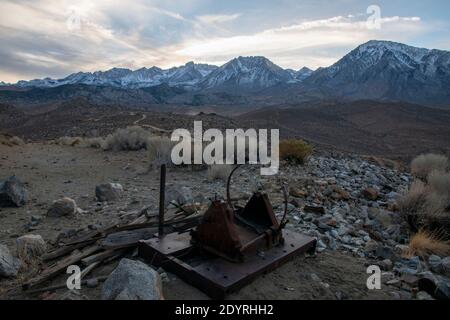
229	247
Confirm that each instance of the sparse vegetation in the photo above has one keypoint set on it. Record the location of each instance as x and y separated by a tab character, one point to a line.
219	172
10	141
425	243
424	164
426	204
296	151
128	139
439	182
69	141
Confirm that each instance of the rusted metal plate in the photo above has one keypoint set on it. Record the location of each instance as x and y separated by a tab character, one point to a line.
214	275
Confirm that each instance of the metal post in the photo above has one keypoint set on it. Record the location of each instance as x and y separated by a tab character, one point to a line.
162	191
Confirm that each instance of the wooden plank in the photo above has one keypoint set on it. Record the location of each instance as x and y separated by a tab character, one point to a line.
88	269
100	256
59	252
126	239
61	266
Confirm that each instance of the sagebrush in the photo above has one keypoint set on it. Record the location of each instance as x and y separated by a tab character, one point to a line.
295	150
424	164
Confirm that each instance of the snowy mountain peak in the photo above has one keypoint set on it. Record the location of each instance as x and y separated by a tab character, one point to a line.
247	73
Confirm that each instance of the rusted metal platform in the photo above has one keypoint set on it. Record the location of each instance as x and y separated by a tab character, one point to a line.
215	275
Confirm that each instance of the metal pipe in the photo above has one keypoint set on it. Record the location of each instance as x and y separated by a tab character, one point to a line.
162	196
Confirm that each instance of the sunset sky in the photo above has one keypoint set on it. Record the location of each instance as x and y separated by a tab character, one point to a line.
54	38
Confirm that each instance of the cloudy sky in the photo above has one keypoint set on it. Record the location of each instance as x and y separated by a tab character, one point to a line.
40	38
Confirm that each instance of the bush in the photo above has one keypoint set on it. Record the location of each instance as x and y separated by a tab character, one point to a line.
159	150
129	139
439	182
423	207
97	143
10	141
425	243
69	141
219	172
296	151
424	164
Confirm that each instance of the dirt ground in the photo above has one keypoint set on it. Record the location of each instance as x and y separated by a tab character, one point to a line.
51	172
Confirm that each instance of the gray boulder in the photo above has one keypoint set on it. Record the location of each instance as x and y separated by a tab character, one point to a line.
12	193
446	266
179	195
108	191
132	280
9	266
62	207
435	263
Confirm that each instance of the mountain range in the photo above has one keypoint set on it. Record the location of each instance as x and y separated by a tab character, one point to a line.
376	70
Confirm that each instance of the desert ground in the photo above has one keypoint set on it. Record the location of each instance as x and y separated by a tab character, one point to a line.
51	171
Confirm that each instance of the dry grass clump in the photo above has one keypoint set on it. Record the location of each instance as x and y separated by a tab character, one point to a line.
294	150
439	182
159	150
128	139
424	164
96	143
219	172
10	141
425	243
69	141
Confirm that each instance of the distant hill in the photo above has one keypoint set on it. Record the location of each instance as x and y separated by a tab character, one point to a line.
368	127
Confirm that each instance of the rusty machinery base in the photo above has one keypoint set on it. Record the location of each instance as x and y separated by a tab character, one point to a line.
214	275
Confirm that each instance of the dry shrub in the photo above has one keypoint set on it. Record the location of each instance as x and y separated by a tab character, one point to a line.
96	143
10	141
424	164
425	243
128	139
439	182
159	150
219	172
294	150
69	141
422	207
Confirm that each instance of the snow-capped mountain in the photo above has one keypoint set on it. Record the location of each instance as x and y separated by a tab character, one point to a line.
302	74
384	70
246	73
376	70
187	75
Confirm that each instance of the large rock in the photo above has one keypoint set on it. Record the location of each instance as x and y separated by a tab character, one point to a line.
181	196
445	263
12	193
108	191
132	280
30	247
9	266
62	207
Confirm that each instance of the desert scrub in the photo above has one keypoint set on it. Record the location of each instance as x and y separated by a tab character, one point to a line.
219	172
10	141
422	207
128	139
439	182
425	243
159	150
295	151
424	164
69	141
